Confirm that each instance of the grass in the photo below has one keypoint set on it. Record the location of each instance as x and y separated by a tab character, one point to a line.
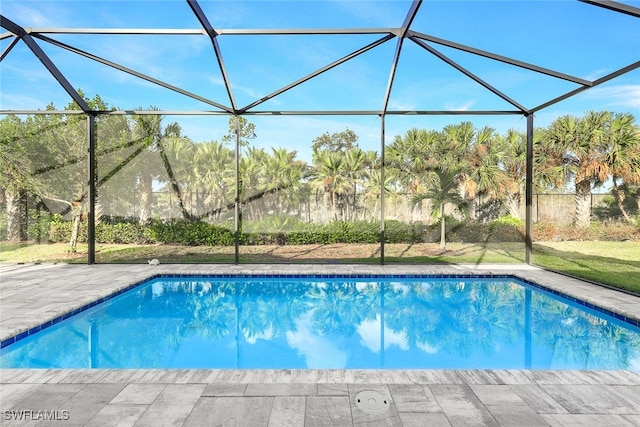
612	263
339	252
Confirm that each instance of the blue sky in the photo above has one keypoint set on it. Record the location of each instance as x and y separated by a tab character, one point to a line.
566	36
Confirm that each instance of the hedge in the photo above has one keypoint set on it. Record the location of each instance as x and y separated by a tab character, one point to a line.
295	232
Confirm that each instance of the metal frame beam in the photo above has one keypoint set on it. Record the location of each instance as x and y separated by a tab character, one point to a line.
468	73
500	58
132	72
45	60
382	179
278	113
528	193
594	83
615	6
411	14
219	31
317	73
237	217
6	51
92	176
204	21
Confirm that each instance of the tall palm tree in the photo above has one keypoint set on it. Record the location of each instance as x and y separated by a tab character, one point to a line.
482	172
623	156
216	175
282	175
514	165
581	145
251	176
330	178
442	190
548	171
146	130
431	166
177	153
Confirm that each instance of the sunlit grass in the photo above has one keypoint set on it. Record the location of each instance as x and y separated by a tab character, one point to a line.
611	263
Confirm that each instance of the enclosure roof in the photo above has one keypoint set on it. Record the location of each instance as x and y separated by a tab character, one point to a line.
316	57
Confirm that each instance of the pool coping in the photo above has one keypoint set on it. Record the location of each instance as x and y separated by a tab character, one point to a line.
48	323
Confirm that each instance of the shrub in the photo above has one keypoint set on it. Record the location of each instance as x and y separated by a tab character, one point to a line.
401	232
292	231
60	231
509	220
190	233
308	233
40	224
123	232
353	232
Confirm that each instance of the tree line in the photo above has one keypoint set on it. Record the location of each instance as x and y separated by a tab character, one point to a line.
43	158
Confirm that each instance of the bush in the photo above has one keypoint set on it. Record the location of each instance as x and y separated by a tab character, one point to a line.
353	232
509	220
189	233
60	231
400	232
309	233
291	231
123	232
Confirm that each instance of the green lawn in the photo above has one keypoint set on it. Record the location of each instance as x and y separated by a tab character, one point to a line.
612	263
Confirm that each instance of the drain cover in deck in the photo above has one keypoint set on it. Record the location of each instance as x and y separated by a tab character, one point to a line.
372	402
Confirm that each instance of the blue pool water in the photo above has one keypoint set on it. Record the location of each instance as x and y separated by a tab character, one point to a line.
324	323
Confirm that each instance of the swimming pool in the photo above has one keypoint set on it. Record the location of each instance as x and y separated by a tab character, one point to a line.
337	321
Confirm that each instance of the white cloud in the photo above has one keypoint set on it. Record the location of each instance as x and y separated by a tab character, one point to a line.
26	16
25	102
401	106
627	95
369	331
318	351
427	348
459	107
596	74
265	335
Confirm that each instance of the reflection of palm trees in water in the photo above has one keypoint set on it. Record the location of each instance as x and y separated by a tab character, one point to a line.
339	306
461	319
574	336
457	320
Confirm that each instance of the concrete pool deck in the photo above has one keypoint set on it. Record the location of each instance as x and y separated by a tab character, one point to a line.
33	294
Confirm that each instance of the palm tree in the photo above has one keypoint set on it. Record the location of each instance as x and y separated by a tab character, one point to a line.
623	156
330	178
548	172
431	166
215	173
177	155
482	172
582	146
251	176
514	165
146	129
442	190
283	175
